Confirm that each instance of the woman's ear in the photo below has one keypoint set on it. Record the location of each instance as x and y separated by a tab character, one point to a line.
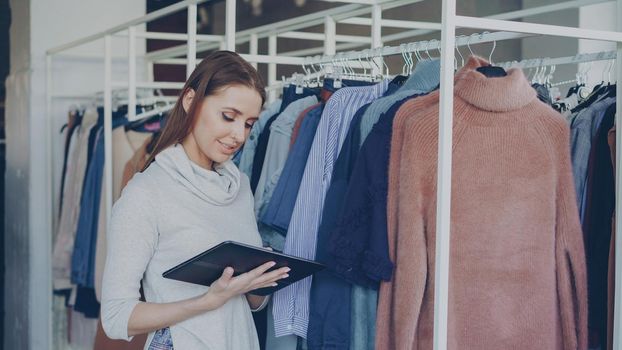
187	100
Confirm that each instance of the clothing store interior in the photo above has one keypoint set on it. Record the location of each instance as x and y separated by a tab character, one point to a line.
505	239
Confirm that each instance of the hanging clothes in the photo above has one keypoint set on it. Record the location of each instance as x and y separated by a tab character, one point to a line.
424	78
597	224
72	192
593	177
611	138
277	150
138	161
73	122
83	258
364	299
279	211
583	128
291	304
298	125
329	321
517	271
289	95
248	151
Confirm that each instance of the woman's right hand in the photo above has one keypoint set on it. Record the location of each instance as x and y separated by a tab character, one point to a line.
227	286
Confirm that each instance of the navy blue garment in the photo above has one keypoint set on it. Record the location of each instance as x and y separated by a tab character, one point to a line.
329	84
260	152
290	95
86	302
358	242
281	205
329	309
70	130
597	224
83	258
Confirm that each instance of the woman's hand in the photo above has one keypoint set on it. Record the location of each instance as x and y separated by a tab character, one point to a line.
227	286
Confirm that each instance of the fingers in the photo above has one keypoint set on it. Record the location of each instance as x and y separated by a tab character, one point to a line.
258	271
272	276
226	276
266	285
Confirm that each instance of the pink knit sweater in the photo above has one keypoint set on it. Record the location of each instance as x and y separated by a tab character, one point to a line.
517	268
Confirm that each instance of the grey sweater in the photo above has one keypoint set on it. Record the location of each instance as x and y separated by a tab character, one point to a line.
166	215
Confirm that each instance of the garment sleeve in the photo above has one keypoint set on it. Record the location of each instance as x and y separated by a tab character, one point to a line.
400	300
132	238
570	254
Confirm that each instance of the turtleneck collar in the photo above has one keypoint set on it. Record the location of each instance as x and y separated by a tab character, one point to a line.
219	187
500	94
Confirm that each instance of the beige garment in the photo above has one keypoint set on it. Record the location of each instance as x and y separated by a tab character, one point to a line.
136	163
124	145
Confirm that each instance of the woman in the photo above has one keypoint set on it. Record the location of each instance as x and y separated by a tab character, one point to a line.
188	199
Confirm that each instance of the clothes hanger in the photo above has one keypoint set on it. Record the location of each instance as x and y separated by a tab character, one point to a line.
427	46
459	54
491	71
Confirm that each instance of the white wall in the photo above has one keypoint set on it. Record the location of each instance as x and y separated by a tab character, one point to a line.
601	17
38	25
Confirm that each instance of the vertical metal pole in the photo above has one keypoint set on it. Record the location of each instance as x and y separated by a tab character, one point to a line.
50	141
254	47
443	195
230	25
376	36
330	39
108	124
272	67
150	76
131	56
330	33
53	212
617	314
192	39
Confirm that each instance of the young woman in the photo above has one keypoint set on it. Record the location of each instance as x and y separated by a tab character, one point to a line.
188	199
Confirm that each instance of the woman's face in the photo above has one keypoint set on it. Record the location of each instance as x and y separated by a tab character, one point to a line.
223	123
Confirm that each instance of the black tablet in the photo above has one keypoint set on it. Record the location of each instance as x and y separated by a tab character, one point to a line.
208	266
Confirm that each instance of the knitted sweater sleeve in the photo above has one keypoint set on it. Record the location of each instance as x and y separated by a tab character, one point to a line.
569	252
132	240
400	299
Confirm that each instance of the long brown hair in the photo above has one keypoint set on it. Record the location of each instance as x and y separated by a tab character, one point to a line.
215	72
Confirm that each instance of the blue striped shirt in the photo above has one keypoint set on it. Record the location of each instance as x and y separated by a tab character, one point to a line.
291	304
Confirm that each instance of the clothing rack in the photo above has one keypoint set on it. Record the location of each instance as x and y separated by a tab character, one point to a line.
580	58
350	14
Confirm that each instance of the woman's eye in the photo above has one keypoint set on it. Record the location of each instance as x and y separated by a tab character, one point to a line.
248	126
227	118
